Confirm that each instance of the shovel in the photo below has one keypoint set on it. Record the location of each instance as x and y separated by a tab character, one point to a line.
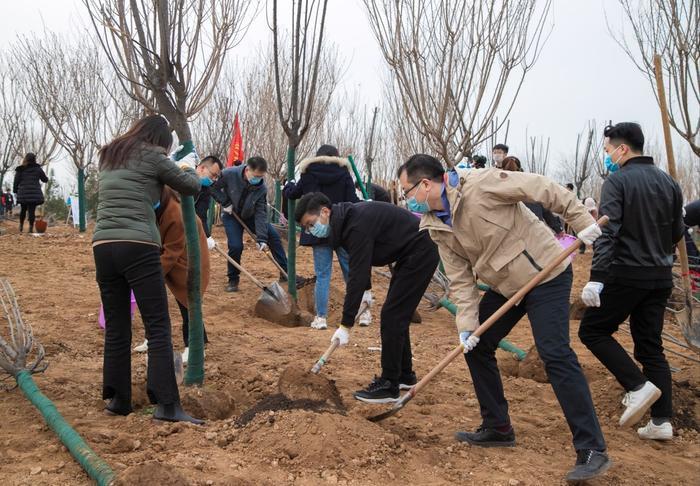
334	345
273	297
483	327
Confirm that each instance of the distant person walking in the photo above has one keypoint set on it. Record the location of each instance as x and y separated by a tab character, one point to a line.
27	186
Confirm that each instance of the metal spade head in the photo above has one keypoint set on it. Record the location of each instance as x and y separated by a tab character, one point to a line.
275	305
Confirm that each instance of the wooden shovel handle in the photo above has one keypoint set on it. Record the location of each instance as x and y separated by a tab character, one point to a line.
239	267
324	359
501	311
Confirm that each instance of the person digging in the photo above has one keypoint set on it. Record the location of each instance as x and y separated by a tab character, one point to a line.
377	234
480	225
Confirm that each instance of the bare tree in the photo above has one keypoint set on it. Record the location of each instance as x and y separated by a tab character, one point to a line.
296	87
670	28
583	169
63	84
169	55
212	126
11	109
457	64
537	154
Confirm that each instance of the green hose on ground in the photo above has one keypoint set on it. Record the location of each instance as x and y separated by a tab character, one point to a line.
504	344
93	464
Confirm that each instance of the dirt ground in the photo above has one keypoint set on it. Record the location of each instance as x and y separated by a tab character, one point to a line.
54	278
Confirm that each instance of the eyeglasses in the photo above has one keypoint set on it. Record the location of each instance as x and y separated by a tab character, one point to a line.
406	193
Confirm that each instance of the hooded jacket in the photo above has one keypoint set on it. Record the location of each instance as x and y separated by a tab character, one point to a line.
27	184
247	200
645	207
326	174
495	236
374	234
128	195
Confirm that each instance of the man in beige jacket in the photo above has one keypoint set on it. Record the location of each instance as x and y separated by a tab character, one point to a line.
482	227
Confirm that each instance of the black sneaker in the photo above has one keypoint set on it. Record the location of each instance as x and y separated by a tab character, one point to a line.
589	464
487	437
232	287
381	390
407	381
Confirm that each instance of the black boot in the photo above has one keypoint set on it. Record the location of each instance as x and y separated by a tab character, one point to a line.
118	406
21	226
31	227
174	413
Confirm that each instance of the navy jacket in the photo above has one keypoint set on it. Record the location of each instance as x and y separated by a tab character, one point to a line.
329	175
27	184
248	201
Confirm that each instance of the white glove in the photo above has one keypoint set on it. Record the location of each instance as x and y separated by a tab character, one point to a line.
590	234
468	340
342	334
262	246
211	243
591	294
367	298
228	209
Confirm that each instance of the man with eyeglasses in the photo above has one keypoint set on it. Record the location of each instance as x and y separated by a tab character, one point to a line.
377	234
480	224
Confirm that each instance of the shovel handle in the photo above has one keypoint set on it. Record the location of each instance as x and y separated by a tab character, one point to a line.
243	270
252	235
495	316
324	359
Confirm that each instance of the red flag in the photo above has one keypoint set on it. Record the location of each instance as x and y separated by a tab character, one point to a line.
235	151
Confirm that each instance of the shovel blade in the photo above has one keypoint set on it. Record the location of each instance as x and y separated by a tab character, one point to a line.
275	305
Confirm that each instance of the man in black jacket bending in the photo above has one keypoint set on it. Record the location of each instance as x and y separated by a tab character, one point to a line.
377	234
631	277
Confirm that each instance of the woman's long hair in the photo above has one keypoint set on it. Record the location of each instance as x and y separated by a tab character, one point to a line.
152	130
512	164
30	158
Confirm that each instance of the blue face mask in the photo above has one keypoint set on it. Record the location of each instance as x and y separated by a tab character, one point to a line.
156	205
418	207
206	181
255	180
320	230
610	165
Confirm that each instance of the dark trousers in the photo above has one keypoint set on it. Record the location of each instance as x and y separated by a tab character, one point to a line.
27	209
186	325
234	236
547	308
122	267
645	309
411	277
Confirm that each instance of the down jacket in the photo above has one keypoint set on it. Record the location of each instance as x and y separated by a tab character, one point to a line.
329	175
27	184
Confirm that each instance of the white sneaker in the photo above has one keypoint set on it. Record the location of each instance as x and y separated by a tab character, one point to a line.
638	402
656	432
143	347
185	355
365	318
319	323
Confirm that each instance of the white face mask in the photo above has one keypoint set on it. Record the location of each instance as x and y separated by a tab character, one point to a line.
498	158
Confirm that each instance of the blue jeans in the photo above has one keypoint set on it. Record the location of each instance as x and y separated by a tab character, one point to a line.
323	267
234	236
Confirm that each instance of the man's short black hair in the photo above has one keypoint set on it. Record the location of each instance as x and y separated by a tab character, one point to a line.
311	203
478	161
210	160
570	186
500	146
422	166
628	133
257	163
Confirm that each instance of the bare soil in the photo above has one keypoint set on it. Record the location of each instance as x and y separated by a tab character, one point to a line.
285	442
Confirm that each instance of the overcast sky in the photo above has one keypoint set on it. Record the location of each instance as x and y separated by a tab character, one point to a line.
581	75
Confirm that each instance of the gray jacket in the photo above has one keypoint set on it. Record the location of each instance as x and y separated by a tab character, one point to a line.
247	200
127	195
